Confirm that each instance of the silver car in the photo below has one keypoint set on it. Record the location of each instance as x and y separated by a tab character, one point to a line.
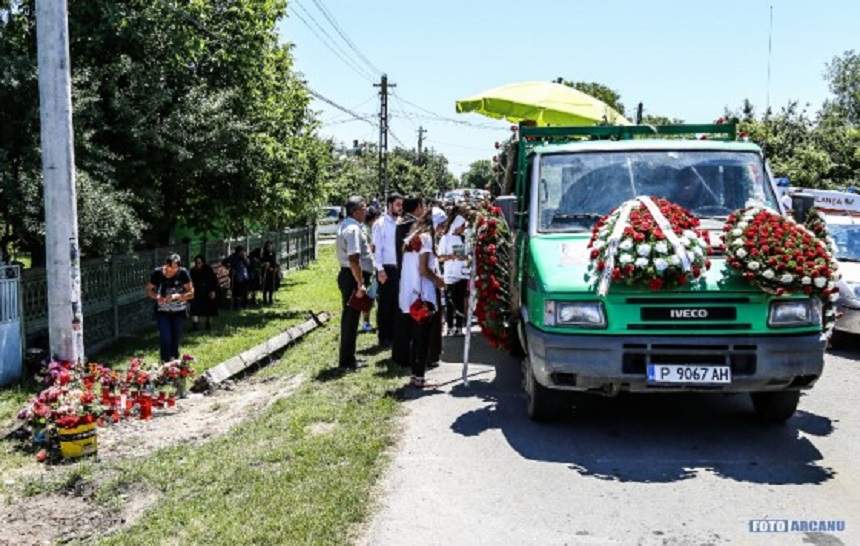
846	231
328	220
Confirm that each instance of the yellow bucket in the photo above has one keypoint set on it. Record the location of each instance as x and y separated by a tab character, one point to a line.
79	441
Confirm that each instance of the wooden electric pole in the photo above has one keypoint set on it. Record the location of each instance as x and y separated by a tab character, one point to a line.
421	131
65	315
383	86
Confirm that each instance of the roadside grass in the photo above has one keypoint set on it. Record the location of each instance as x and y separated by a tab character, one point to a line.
301	471
232	332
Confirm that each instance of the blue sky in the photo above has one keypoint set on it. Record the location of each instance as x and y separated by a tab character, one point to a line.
682	59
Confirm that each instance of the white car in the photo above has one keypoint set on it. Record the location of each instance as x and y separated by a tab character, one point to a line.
329	218
845	230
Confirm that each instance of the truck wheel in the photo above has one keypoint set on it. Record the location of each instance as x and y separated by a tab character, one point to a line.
542	404
777	406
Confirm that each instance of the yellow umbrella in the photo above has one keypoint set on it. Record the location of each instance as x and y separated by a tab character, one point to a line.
545	103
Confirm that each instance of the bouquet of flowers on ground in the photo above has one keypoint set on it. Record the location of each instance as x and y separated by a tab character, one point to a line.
779	255
493	251
68	401
648	241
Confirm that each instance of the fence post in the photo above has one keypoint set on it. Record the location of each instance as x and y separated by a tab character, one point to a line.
114	295
313	228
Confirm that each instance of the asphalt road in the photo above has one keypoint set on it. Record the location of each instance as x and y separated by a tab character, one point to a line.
666	469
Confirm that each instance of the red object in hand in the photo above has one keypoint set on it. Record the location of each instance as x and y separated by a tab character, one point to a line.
420	311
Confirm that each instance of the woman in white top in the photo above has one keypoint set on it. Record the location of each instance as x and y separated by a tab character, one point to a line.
419	285
456	274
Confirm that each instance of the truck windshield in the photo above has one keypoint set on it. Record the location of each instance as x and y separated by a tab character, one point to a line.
847	241
576	189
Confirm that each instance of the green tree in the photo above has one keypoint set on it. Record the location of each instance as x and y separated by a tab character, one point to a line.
185	112
843	76
479	175
597	90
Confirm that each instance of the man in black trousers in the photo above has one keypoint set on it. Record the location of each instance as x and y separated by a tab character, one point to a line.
351	248
401	350
387	272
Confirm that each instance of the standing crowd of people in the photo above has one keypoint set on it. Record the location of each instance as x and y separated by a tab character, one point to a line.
411	259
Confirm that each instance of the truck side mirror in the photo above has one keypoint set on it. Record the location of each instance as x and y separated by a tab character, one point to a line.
801	203
508	204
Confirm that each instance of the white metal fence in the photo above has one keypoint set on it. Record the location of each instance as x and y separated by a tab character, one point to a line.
11	329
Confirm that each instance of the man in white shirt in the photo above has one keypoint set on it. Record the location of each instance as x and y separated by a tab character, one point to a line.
388	275
350	279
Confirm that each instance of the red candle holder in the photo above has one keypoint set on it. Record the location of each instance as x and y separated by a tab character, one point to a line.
145	407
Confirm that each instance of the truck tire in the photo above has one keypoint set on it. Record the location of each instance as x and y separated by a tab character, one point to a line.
775	406
542	404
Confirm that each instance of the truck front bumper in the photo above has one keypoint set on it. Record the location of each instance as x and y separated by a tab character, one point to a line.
611	364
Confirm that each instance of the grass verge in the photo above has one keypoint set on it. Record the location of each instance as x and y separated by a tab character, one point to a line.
300	472
232	332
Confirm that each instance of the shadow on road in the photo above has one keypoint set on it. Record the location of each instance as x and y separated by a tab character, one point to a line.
644	438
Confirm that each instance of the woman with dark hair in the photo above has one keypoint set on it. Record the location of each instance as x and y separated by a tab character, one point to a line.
453	258
205	302
420	283
171	288
271	272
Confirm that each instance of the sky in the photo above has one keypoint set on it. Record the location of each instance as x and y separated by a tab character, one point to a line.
687	60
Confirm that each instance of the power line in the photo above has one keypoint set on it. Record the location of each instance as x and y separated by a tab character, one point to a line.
396	139
475	148
462	123
343	109
440	117
330	18
304	21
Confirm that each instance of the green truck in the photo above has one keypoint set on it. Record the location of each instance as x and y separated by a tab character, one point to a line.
719	334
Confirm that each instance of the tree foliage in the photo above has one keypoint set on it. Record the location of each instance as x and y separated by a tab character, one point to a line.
597	90
185	112
820	150
479	175
355	172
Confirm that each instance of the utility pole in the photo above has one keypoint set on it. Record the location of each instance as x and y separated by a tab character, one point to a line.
65	317
383	86
421	131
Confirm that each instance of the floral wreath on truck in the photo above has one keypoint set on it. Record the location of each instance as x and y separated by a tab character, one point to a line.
648	241
493	251
781	256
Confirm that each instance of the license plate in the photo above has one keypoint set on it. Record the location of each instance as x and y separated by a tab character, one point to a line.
689	374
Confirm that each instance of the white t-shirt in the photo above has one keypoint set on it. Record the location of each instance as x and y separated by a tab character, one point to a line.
412	283
452	270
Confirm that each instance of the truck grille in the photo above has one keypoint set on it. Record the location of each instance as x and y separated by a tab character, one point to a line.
690	326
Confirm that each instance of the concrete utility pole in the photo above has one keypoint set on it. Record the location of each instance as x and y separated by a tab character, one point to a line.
383	86
421	131
65	317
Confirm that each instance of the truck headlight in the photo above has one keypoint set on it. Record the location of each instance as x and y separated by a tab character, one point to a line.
574	313
795	313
